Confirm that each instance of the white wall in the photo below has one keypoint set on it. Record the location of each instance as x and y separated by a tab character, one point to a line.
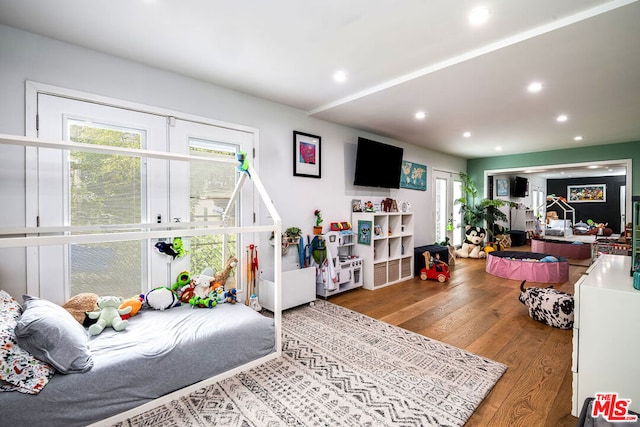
25	56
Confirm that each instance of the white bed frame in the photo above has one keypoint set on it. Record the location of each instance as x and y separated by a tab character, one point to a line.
566	208
17	237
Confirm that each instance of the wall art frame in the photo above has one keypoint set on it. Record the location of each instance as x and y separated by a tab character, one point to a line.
587	193
307	155
502	187
413	176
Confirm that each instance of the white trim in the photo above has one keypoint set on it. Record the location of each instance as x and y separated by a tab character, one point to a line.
33	88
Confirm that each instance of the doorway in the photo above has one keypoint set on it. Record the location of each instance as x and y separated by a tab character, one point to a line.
448	220
80	188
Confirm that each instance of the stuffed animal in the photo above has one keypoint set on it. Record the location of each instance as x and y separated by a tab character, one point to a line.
161	298
108	315
471	248
202	283
231	295
222	275
178	247
182	283
208	302
219	292
135	303
79	305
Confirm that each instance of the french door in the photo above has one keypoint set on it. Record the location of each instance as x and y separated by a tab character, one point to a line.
448	221
78	188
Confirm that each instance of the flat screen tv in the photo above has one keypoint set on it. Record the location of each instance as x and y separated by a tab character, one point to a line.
520	187
377	164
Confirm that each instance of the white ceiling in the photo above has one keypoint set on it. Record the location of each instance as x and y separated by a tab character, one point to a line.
400	57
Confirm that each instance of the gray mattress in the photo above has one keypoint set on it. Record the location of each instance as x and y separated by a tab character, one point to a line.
159	352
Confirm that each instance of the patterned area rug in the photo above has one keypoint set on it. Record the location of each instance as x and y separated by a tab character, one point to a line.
341	368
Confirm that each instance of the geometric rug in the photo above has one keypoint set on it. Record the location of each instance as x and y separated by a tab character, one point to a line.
341	368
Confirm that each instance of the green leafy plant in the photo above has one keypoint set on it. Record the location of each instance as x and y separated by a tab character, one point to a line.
477	212
293	232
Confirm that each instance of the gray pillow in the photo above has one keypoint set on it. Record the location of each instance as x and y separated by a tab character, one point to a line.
51	334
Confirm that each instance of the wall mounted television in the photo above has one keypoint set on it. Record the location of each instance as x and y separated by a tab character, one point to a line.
377	164
520	187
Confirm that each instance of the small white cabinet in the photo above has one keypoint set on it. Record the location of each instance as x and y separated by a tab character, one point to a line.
606	351
297	287
348	267
388	258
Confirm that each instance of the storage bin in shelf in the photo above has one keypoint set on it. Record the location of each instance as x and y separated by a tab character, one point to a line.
379	274
393	273
406	267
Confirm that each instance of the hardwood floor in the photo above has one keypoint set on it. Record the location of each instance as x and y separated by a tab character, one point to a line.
481	313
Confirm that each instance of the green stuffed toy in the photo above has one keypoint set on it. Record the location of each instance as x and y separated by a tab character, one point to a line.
108	315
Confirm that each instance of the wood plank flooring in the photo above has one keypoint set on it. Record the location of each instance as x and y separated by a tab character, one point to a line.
481	313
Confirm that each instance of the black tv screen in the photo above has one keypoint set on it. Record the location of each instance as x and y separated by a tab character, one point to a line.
377	164
520	187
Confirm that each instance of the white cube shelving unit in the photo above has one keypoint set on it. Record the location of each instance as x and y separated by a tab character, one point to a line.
388	258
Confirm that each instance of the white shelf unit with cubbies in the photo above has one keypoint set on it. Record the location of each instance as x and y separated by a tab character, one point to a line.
388	259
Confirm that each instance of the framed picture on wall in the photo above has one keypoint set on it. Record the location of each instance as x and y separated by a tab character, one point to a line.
413	176
587	193
306	154
502	187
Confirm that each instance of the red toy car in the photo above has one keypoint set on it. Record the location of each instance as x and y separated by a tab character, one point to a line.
435	269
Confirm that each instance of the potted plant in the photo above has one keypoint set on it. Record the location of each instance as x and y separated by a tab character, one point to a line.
477	213
317	229
292	234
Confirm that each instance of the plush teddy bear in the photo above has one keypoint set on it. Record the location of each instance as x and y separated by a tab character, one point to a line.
80	304
108	315
471	248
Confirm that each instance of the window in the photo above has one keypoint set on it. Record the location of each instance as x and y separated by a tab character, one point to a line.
82	188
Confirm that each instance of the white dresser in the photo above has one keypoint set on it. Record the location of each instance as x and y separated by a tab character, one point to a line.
606	334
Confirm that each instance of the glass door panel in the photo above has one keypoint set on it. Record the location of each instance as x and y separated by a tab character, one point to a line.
77	188
211	186
106	190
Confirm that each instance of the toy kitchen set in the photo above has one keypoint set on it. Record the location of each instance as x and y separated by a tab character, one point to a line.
341	270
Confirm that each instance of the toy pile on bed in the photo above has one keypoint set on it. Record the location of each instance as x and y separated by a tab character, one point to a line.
39	337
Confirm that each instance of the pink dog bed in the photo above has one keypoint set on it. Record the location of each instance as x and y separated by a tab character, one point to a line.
527	266
561	248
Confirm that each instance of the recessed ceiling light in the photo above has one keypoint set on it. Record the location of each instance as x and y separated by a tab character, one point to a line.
467	134
479	16
420	115
577	138
499	148
534	87
593	167
340	76
562	118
